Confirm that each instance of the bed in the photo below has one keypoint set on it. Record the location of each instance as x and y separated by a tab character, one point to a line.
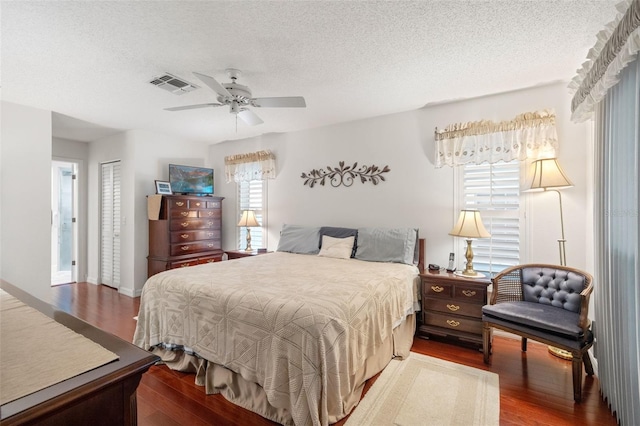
291	335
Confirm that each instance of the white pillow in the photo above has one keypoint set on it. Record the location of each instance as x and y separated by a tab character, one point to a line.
340	248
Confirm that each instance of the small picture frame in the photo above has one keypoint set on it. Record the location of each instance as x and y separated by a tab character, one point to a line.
163	187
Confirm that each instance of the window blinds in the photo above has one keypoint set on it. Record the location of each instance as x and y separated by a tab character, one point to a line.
494	190
251	196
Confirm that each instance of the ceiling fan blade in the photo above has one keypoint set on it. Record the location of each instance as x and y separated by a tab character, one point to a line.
280	102
249	117
182	108
214	85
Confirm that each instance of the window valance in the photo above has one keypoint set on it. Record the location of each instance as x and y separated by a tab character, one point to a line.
529	135
616	46
258	165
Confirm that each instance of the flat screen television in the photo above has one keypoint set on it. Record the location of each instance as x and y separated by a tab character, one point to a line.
191	180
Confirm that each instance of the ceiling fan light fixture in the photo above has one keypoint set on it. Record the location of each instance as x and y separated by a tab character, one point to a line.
238	97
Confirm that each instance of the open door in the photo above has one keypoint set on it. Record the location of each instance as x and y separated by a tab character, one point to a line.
64	207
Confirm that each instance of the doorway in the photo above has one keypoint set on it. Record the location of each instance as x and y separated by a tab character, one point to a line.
64	233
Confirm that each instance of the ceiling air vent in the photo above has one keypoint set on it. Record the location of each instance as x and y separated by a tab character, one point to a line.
173	84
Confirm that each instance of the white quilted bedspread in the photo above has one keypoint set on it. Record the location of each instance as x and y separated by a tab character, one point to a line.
298	325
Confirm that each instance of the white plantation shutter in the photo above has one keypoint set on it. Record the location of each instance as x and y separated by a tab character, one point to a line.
252	196
110	225
494	190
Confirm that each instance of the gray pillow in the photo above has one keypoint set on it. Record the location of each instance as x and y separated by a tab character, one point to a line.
340	233
299	239
387	245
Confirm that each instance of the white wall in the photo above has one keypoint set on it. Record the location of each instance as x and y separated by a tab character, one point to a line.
145	157
25	222
78	152
415	193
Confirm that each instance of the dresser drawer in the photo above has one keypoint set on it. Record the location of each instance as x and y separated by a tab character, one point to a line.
211	259
193	224
453	306
195	247
431	289
197	204
178	204
210	214
189	236
183	264
471	294
453	322
180	213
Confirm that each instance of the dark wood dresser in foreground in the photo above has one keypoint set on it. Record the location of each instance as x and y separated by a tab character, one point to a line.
452	306
103	396
187	232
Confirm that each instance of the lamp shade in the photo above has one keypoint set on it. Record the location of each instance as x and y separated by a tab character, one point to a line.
547	174
248	219
469	225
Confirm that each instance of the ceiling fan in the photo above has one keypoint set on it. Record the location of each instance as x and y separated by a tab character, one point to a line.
239	98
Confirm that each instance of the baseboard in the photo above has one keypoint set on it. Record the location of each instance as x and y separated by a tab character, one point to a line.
92	280
130	292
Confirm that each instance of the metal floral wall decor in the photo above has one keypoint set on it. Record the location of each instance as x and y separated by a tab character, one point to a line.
345	175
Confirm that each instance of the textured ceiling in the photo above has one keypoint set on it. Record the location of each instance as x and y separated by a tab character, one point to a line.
90	61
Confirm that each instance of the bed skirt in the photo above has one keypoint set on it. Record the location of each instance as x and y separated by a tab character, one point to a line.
219	379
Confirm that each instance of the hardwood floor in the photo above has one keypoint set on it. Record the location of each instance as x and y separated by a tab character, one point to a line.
535	387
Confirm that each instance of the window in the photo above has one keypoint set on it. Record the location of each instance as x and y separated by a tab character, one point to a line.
252	195
494	190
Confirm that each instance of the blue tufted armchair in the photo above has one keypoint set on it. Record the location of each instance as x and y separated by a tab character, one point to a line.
546	303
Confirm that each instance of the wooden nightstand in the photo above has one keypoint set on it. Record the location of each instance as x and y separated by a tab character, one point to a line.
237	254
452	306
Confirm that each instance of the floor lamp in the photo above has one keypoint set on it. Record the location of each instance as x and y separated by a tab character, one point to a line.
548	176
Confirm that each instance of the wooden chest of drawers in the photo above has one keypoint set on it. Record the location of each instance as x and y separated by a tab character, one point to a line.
452	306
187	233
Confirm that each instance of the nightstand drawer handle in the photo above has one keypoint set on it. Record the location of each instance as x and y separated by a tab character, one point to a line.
184	236
210	213
185	214
210	245
453	307
184	224
184	248
180	204
469	293
197	204
437	288
453	323
210	234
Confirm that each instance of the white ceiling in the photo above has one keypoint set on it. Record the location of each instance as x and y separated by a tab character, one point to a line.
90	61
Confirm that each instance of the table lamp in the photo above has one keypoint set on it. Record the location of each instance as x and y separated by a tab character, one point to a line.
248	220
470	226
548	176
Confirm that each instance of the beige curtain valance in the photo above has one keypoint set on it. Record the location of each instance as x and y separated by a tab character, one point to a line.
529	135
617	45
258	165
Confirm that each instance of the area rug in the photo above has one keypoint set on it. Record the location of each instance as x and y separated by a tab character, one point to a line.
423	390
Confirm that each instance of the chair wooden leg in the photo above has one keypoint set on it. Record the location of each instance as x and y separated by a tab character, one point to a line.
523	344
586	359
486	342
577	377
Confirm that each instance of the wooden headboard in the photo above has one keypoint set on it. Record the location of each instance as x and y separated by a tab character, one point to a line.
421	254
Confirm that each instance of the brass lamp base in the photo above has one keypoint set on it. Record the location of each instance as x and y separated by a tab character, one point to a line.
560	353
248	240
